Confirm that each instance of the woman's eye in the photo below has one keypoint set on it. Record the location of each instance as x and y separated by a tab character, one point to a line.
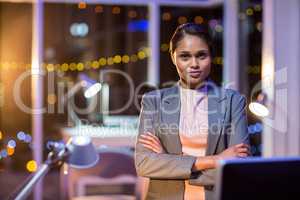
184	56
202	55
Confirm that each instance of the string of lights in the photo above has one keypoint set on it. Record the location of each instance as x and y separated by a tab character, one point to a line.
98	63
214	24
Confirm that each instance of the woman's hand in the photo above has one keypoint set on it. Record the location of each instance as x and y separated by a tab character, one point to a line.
211	162
151	142
239	150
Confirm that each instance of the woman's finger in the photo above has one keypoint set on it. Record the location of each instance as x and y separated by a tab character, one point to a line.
242	150
150	147
148	137
154	137
154	145
243	155
145	141
242	145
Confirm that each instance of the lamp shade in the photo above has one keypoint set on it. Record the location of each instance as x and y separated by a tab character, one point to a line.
91	86
92	90
82	152
259	107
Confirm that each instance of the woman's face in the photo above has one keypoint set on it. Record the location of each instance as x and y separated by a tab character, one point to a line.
193	61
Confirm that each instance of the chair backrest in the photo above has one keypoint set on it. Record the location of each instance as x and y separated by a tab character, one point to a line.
91	185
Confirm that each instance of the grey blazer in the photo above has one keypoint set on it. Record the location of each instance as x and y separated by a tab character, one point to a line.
160	113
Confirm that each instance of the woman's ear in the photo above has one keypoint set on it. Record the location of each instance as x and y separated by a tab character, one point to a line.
173	58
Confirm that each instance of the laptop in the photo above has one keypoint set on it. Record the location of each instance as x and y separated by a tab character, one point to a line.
259	179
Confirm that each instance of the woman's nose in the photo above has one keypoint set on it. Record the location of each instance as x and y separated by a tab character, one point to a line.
194	63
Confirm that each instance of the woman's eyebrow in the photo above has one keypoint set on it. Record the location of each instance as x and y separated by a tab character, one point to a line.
203	50
182	52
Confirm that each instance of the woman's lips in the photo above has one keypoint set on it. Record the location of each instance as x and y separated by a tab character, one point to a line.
195	74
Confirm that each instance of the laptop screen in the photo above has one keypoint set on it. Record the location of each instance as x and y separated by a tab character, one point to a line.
259	178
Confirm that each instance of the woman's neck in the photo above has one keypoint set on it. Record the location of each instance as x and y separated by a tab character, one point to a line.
191	87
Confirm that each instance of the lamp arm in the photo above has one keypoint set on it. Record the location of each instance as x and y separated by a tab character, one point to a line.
54	158
25	192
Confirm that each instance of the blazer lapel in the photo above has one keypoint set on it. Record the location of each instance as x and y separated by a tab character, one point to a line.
216	115
170	115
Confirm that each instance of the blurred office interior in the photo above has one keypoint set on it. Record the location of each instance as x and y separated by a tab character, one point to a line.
48	47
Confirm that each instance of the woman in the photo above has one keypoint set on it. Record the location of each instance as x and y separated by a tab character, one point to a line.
186	129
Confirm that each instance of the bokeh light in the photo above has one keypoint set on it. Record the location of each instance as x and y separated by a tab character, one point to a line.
11	144
73	66
95	64
147	51
21	135
132	14
164	47
102	61
218	60
10	151
249	11
1	135
50	67
141	55
80	66
219	28
82	5
257	7
98	9
56	144
64	67
28	138
198	20
51	99
110	61
88	64
125	59
3	153
79	29
56	66
31	166
117	59
166	16
182	20
116	10
133	58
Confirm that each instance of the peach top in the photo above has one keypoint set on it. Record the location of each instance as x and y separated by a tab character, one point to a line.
193	131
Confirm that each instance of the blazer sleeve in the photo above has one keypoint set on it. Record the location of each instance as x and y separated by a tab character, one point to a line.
239	134
153	165
239	125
